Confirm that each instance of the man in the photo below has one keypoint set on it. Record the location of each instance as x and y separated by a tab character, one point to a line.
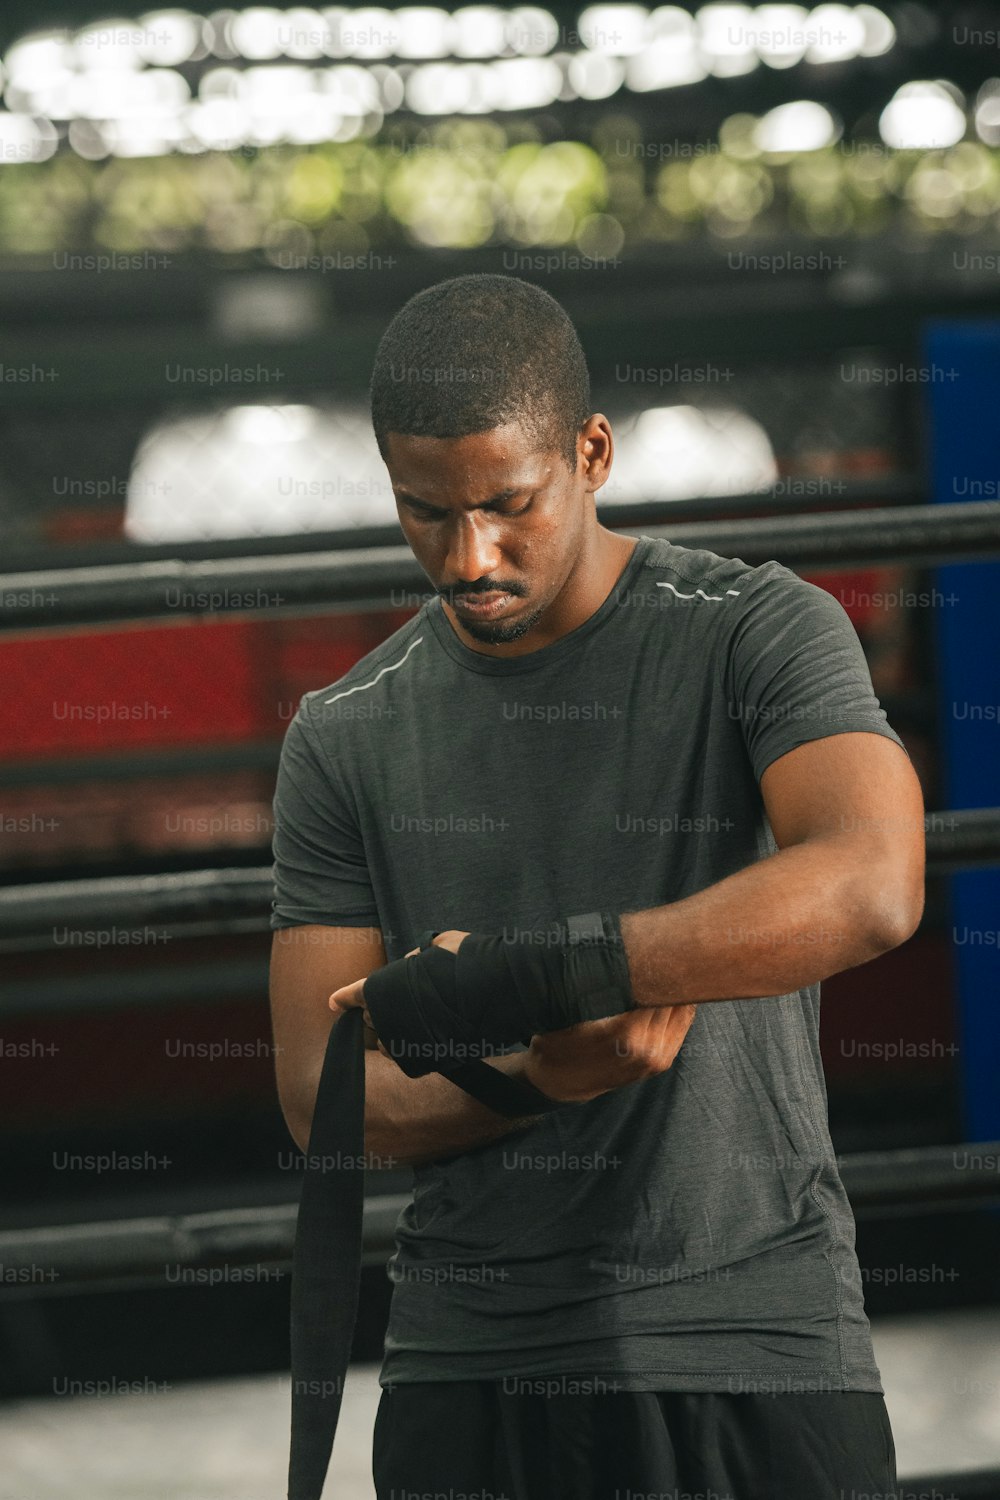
652	1289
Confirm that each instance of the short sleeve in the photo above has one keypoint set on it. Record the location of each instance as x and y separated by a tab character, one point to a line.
320	871
796	670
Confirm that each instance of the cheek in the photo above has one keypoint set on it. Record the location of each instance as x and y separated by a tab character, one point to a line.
420	538
542	562
552	545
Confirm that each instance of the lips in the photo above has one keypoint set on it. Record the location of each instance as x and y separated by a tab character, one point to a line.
481	604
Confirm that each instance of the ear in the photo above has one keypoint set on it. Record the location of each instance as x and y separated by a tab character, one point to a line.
597	449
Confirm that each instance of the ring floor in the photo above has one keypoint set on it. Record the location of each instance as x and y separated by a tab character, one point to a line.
228	1439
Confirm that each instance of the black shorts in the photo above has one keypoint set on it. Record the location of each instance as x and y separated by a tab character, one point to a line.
474	1438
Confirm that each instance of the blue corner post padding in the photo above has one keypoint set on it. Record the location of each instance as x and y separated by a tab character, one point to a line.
962	361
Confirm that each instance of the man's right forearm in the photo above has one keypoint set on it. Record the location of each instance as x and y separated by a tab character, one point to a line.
417	1120
409	1121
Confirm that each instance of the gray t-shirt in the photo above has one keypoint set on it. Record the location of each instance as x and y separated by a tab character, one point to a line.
686	1232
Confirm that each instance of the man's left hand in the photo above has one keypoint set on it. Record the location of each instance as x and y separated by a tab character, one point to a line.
353	995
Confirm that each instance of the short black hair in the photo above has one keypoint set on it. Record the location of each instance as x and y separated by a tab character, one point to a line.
477	351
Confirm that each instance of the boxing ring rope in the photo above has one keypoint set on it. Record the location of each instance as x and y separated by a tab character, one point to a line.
785	495
200	903
107	1255
367	578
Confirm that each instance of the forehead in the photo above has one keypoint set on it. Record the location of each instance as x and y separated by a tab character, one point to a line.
474	468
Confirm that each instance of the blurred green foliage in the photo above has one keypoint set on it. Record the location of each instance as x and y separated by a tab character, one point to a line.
467	183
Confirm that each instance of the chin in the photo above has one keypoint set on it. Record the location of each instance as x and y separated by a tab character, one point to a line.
499	632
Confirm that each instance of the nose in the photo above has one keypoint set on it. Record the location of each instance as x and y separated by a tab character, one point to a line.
472	551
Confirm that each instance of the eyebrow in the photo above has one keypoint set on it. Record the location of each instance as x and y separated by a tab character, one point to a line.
493	500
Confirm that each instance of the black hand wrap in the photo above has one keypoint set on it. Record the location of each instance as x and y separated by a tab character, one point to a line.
441	1006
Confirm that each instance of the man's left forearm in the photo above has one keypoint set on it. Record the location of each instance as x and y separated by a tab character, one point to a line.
783	923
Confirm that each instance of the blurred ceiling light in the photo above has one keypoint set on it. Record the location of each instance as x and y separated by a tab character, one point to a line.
389	87
780	34
662	66
567	93
670	23
594	75
281	105
352	126
836	33
670	56
988	112
219	124
88	139
26	139
111	44
618	30
312	123
220	83
922	116
269	424
424	31
681	452
726	37
89	96
264	470
39	59
270	128
49	98
478	31
526	82
800	126
101	72
273	85
218	35
134	137
257	33
370	32
169	36
160	93
166	88
880	33
333	18
481	91
438	89
302	34
351	89
531	32
289	111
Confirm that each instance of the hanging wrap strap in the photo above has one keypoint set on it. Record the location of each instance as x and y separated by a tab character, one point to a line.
326	1260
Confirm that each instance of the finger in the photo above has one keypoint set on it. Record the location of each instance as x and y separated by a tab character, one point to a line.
452	939
348	995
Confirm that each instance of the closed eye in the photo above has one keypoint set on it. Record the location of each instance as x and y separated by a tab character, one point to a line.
430	513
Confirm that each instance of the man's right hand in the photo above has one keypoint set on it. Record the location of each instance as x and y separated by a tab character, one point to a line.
580	1062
